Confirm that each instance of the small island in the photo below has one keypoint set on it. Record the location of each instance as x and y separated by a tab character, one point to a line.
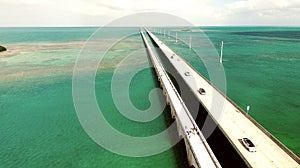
2	48
187	30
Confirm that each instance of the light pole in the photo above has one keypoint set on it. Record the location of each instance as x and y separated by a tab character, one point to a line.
190	41
221	55
248	108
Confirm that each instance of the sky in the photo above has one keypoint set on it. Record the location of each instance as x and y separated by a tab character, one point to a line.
102	12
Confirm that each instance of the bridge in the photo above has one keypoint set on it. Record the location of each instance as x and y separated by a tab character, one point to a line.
199	152
234	123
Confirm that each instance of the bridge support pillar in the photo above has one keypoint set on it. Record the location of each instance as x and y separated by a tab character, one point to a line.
181	134
173	112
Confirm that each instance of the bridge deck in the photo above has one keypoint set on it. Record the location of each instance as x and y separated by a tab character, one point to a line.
234	123
194	139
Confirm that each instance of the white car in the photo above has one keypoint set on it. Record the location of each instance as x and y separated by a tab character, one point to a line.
248	145
187	74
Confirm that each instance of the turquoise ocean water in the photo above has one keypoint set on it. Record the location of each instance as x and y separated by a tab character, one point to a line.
39	126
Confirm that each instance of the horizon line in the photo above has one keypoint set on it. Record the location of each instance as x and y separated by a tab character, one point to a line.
98	26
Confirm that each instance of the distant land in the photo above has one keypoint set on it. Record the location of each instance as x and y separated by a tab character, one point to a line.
2	48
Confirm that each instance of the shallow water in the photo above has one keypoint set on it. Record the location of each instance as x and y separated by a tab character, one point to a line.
39	123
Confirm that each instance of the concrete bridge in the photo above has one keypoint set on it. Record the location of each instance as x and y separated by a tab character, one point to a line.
234	124
198	151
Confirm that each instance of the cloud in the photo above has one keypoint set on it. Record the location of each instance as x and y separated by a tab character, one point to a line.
263	12
99	12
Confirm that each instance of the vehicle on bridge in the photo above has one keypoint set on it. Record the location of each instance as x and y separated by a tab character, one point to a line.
187	74
249	145
201	91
